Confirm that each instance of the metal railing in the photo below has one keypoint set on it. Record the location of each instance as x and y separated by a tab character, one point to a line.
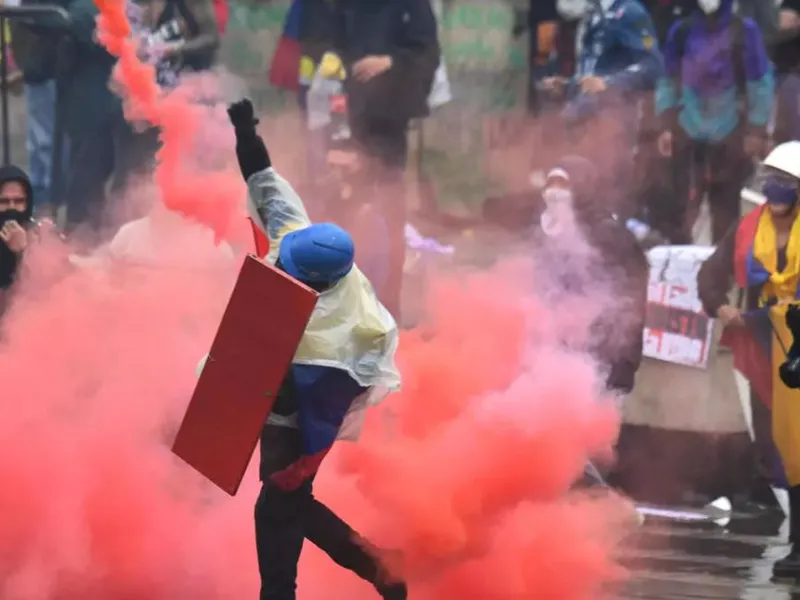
55	21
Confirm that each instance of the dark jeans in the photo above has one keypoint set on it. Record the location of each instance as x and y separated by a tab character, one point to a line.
387	141
285	518
110	151
718	169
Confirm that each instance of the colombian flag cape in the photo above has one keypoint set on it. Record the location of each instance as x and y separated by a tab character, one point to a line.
759	349
345	360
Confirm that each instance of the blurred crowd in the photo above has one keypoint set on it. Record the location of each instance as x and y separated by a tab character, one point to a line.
673	102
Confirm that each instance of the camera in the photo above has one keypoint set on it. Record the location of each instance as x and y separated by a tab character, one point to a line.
790	370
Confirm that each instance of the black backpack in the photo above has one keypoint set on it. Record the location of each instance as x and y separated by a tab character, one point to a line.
738	50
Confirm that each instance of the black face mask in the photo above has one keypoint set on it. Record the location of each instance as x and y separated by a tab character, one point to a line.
13	215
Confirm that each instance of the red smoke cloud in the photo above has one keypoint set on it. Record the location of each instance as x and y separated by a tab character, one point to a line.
463	476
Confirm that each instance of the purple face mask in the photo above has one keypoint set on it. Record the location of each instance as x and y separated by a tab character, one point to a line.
779	193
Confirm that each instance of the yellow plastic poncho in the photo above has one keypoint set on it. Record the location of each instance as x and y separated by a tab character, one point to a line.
349	328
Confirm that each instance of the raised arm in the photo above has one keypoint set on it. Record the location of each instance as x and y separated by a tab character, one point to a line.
272	203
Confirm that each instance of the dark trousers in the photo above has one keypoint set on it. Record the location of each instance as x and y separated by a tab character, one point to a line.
285	518
387	141
794	518
696	168
111	151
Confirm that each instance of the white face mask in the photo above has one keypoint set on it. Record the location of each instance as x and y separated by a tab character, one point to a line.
709	6
571	10
557	198
558	216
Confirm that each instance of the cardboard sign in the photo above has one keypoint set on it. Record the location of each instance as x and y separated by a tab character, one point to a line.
676	329
252	351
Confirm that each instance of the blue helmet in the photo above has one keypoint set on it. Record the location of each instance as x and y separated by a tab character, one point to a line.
320	253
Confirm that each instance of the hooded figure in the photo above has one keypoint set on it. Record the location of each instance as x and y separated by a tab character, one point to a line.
600	260
16	210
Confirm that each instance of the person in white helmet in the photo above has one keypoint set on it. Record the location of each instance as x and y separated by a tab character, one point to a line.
762	254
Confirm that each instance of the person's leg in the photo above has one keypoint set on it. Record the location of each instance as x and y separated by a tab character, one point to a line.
91	160
40	99
671	213
729	169
332	535
387	143
765	455
278	516
789	566
285	518
134	152
279	539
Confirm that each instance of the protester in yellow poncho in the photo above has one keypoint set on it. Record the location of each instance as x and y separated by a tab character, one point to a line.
345	361
763	252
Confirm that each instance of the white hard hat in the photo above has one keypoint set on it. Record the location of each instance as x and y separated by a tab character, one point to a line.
786	158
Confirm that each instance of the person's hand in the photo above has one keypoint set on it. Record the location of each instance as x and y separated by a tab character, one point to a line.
241	114
730	316
371	66
593	85
14	236
665	144
556	86
753	146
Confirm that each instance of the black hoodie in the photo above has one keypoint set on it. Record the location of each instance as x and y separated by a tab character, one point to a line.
619	268
9	261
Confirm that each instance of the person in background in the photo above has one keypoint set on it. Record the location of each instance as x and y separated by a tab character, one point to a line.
653	179
761	254
575	213
176	36
36	54
618	61
179	35
575	216
716	63
764	13
101	144
785	50
16	212
390	52
666	13
544	26
786	58
351	204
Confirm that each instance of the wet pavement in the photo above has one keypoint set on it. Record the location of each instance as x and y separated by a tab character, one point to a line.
692	561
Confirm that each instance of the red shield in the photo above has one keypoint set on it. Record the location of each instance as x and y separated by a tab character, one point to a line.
254	346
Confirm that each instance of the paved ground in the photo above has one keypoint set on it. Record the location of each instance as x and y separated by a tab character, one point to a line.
672	561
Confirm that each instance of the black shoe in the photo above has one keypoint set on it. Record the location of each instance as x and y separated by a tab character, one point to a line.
755	509
394	591
788	567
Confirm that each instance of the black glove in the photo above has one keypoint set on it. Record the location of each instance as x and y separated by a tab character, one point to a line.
790	370
242	115
251	151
